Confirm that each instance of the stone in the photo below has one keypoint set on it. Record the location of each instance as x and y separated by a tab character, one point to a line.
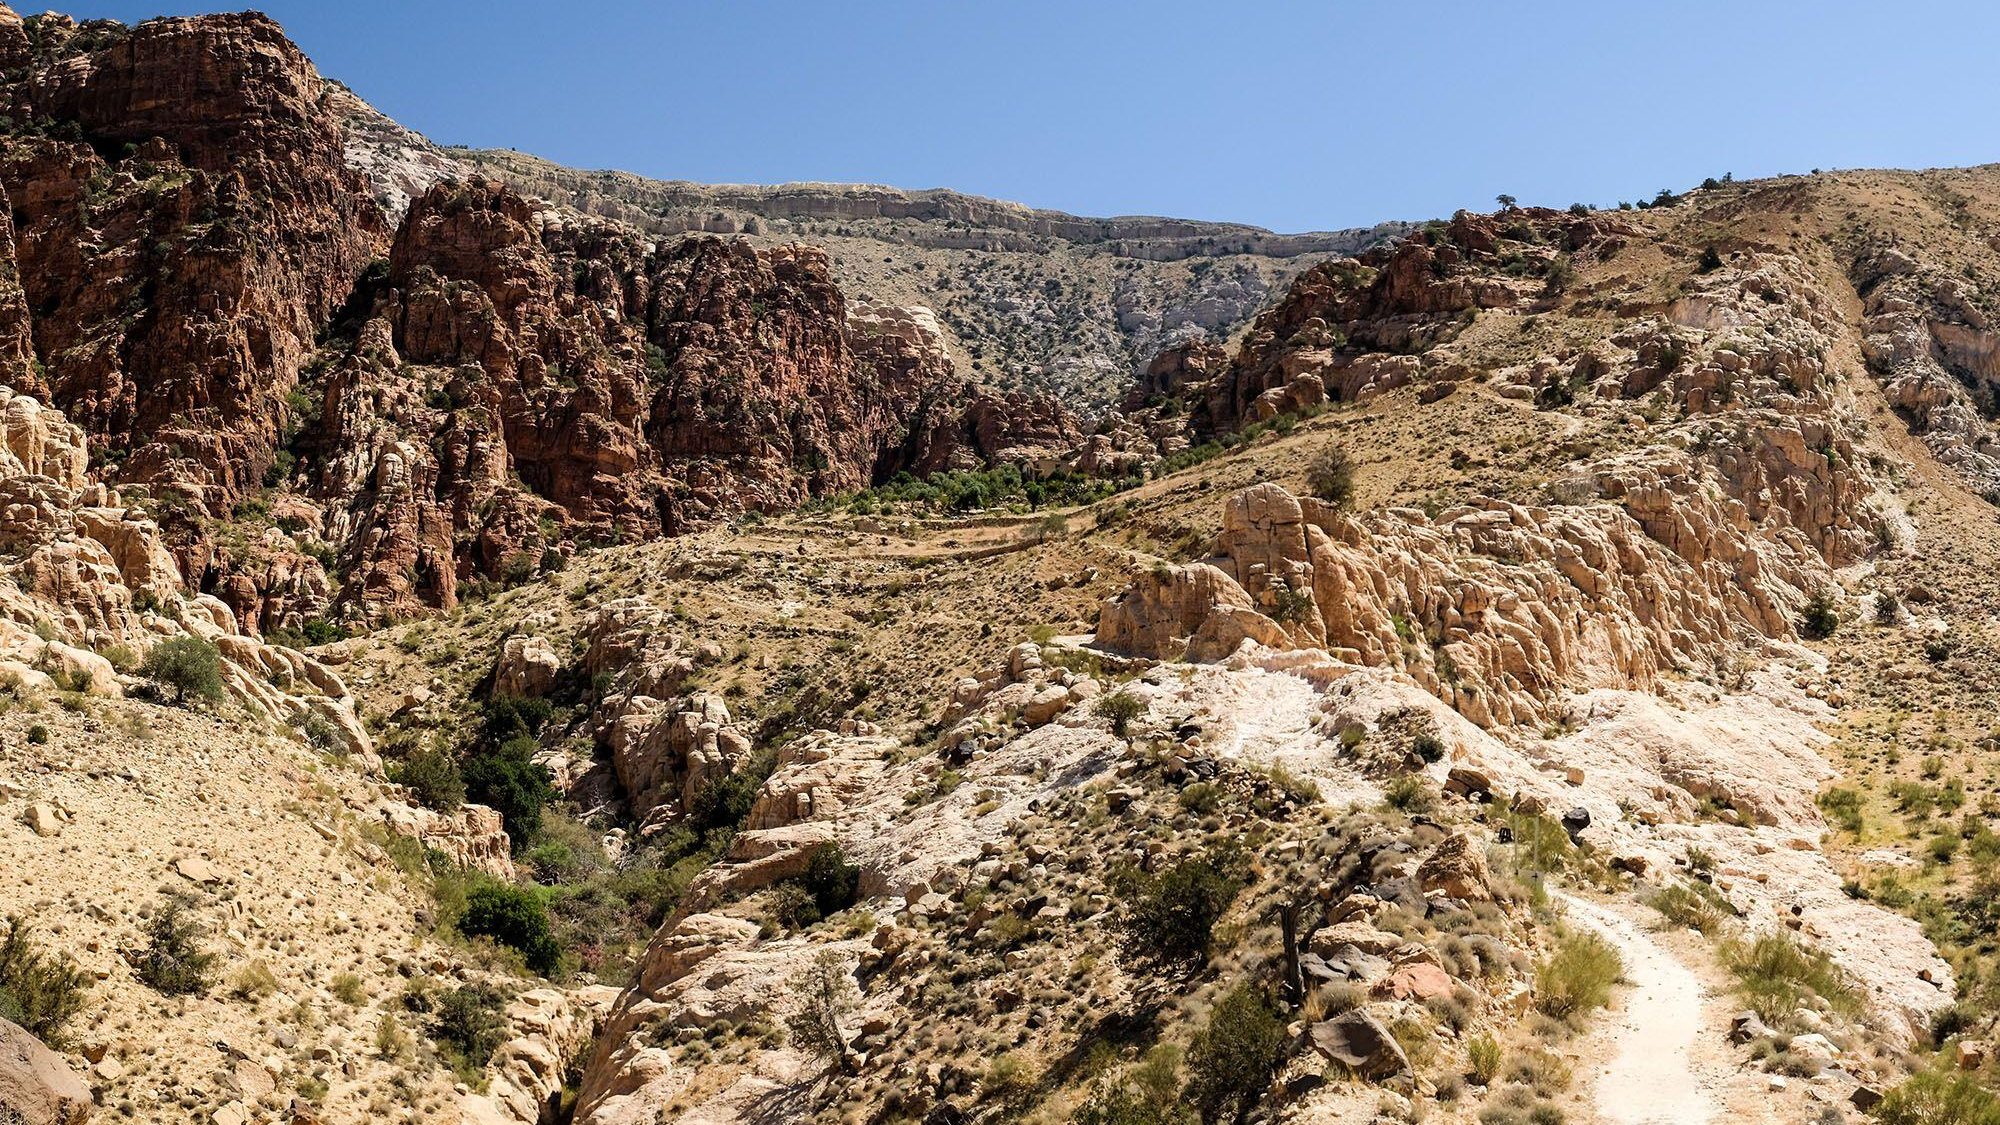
1456	869
1419	981
197	870
43	819
528	667
1360	1043
36	1086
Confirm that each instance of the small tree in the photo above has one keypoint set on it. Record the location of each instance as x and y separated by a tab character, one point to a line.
174	962
187	666
822	993
1331	477
1233	1058
1505	201
516	917
1171	915
1821	618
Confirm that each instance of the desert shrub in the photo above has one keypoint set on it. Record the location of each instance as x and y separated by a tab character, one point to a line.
189	667
38	734
40	991
1201	798
1483	1054
1695	905
1120	708
1330	477
1232	1058
465	1026
1577	977
253	982
822	993
1148	1094
1934	1098
174	963
516	917
1406	792
348	989
1776	975
508	779
1170	915
1821	616
433	778
1426	741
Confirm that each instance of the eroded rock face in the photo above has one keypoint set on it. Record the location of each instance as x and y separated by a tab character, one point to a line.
665	747
228	217
1496	608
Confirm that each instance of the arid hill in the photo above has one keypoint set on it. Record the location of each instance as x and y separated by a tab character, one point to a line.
479	645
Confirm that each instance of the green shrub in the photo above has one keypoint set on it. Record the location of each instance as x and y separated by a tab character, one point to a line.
38	735
1933	1098
40	991
509	780
516	917
832	882
1331	477
1233	1057
174	963
1577	977
1170	915
1776	975
722	804
1121	708
433	778
186	666
1483	1053
1821	617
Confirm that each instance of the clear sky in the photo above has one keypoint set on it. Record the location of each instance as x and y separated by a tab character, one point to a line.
1293	116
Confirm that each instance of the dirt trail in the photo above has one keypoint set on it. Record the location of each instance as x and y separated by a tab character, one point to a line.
1651	1078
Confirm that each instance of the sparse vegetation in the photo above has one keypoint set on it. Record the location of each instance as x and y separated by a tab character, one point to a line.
40	990
173	962
189	667
1576	978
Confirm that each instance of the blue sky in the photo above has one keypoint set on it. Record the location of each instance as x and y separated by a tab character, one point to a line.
1289	115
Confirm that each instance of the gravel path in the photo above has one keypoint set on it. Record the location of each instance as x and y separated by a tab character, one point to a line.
1650	1079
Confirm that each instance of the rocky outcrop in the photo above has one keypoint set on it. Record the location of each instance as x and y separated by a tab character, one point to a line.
665	747
76	561
36	1086
1351	328
1937	356
1668	557
177	285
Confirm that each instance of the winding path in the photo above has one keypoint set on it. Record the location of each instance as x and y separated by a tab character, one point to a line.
1650	1079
